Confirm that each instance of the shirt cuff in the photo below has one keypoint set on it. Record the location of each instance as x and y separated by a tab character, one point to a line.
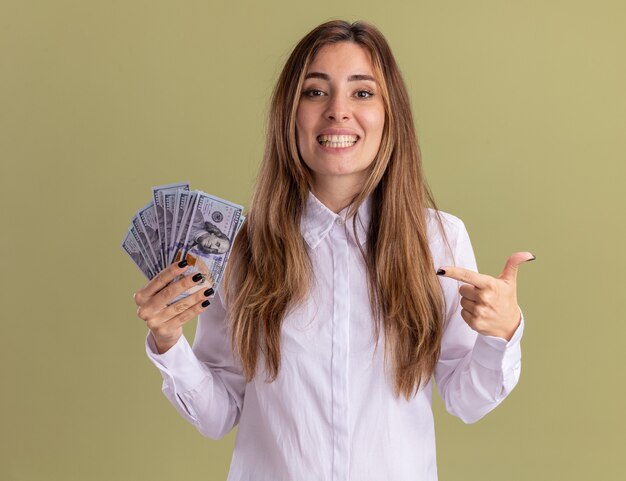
178	364
497	353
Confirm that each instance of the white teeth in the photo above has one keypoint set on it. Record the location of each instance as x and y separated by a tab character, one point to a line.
337	141
336	145
337	138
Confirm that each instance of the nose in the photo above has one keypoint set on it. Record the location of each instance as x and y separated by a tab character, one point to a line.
338	108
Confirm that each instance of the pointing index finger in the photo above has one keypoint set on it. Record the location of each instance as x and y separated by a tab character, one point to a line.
465	275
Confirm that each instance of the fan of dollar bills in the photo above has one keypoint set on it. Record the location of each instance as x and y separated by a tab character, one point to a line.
178	223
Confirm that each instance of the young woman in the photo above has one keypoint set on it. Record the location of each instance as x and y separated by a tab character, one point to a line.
340	249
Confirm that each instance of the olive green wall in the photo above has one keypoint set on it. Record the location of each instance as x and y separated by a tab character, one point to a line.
520	110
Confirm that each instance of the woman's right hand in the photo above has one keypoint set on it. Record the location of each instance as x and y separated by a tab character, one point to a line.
166	321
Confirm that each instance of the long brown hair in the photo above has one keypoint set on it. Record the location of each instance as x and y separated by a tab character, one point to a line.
269	270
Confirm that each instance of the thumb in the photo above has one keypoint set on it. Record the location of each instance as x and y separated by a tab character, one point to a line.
512	265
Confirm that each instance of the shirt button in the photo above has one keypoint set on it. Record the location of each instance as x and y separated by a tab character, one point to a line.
339	221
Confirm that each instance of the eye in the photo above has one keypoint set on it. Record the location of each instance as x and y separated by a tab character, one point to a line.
312	92
367	93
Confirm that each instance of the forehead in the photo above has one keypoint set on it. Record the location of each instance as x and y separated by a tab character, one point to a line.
342	57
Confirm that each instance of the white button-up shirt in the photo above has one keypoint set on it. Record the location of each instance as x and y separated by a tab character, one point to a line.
331	415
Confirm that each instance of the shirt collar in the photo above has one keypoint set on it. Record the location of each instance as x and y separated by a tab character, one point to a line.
317	221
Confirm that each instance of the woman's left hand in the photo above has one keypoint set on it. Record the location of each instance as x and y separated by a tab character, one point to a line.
489	304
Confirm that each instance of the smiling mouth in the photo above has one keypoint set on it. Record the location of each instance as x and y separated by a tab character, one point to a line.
337	141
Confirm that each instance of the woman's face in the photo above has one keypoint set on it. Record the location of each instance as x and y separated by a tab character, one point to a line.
341	115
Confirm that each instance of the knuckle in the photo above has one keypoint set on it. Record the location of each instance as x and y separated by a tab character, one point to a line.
167	292
180	307
141	313
487	297
138	298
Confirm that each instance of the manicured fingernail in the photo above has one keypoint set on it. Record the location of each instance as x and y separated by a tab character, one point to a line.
197	277
209	291
440	272
205	303
533	258
182	263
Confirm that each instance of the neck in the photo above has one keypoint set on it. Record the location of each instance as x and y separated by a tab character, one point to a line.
336	193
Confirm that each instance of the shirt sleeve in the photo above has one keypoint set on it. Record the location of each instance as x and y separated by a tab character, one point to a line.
203	382
474	372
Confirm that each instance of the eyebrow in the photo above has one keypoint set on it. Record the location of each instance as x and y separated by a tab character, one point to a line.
351	78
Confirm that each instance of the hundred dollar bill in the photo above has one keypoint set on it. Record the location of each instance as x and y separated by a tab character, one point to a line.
159	215
239	224
178	208
129	244
158	194
143	249
145	221
183	224
169	203
213	224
